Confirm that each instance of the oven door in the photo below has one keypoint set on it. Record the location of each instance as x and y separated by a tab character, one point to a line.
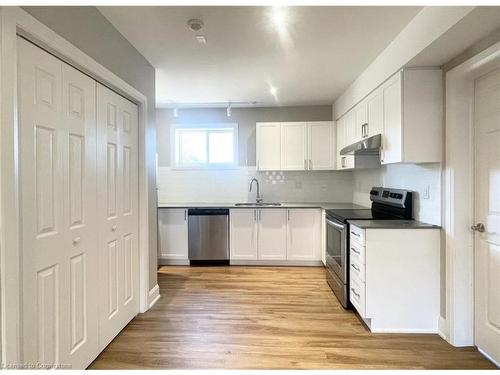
336	260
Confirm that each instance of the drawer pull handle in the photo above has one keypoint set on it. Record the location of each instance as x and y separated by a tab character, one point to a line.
76	240
354	292
356	234
355	267
113	228
356	251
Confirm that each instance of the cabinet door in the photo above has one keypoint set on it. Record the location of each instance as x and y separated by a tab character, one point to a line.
272	233
243	233
172	233
320	147
303	234
350	129
360	121
268	146
294	146
392	136
375	105
340	140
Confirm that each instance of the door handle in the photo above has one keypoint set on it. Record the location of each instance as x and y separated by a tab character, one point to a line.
479	227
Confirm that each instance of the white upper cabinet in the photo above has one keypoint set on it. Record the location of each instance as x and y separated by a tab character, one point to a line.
406	110
360	121
391	139
303	234
294	146
244	232
321	147
272	233
375	114
268	146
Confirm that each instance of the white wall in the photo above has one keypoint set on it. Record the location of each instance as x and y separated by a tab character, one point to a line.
186	186
404	176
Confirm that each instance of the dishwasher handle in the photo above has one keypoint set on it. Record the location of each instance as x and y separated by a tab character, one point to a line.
208	211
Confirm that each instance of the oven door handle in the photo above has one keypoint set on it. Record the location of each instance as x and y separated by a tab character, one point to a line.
340	226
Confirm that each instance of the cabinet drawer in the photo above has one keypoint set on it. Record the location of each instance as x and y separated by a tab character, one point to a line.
357	268
357	295
357	251
357	234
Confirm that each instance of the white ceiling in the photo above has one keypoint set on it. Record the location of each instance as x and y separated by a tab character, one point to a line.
311	60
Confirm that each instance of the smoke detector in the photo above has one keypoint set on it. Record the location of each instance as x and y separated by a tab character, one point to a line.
195	25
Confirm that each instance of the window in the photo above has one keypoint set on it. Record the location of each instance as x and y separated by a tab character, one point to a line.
205	146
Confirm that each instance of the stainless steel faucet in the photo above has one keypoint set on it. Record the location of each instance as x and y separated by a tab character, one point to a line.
258	198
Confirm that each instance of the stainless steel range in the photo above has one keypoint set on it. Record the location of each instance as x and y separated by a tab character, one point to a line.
387	204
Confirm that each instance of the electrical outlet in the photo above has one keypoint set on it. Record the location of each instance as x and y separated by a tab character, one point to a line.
427	192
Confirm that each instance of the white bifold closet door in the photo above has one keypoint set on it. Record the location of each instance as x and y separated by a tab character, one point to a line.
58	195
79	201
117	210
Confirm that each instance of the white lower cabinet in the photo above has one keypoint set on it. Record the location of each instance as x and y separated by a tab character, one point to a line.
172	234
303	234
276	234
272	233
394	278
243	234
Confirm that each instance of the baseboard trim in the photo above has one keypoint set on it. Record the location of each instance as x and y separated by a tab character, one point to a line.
154	295
293	263
173	262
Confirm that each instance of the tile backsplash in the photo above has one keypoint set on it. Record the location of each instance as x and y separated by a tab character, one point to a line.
231	185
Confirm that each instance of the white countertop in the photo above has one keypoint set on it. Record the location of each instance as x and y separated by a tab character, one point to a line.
323	205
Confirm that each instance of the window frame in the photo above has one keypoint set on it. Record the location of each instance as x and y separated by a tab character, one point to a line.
207	127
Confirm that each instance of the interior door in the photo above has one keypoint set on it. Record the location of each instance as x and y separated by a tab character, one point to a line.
487	214
117	168
58	194
294	146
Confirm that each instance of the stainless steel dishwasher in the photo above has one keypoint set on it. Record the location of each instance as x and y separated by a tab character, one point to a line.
208	236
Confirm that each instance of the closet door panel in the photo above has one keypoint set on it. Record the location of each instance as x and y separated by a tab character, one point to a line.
117	121
57	162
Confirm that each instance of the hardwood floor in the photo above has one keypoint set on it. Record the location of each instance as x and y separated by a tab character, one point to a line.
265	318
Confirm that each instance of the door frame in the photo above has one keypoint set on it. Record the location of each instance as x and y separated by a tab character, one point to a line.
458	195
15	21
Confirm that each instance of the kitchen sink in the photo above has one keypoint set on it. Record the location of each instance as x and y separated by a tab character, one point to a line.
262	204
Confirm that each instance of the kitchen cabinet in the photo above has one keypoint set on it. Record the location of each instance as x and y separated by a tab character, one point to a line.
268	146
296	146
360	116
406	110
275	235
321	147
243	234
375	114
173	234
412	130
394	278
303	234
346	132
272	233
